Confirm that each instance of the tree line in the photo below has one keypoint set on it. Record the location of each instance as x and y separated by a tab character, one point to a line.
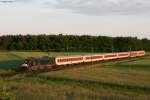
73	43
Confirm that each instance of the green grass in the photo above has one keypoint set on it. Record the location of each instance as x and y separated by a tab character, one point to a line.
113	81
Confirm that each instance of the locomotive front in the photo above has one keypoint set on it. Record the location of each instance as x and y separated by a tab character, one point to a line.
38	64
27	64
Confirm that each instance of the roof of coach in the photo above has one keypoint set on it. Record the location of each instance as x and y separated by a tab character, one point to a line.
82	55
123	52
68	56
93	54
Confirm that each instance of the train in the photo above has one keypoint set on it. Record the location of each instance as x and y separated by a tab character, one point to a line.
46	63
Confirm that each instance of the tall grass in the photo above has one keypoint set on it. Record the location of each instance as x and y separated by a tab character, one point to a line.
4	93
37	87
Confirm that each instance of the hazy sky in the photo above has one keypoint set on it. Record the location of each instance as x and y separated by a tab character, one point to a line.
94	17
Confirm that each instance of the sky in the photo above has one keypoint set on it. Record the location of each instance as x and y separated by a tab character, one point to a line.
78	17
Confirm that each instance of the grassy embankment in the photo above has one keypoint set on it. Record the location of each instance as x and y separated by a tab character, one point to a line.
126	80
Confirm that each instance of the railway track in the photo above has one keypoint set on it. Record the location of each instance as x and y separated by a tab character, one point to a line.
57	68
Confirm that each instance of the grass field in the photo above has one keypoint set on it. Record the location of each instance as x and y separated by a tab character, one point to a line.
113	81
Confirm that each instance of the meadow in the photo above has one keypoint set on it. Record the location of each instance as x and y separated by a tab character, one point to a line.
112	81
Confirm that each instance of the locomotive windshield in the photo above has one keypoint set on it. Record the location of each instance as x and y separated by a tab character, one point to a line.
26	61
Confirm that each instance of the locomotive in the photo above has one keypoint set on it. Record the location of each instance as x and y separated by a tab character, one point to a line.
46	62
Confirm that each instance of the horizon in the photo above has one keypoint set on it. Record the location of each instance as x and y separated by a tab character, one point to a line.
64	34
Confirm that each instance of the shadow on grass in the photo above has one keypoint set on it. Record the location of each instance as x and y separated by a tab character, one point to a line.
133	65
10	65
93	84
141	67
128	65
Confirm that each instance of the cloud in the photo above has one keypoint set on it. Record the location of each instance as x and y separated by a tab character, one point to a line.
15	1
7	1
103	7
93	7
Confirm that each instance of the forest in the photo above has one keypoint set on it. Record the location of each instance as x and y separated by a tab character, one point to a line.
72	43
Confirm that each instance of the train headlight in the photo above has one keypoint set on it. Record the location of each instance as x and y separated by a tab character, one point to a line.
24	66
